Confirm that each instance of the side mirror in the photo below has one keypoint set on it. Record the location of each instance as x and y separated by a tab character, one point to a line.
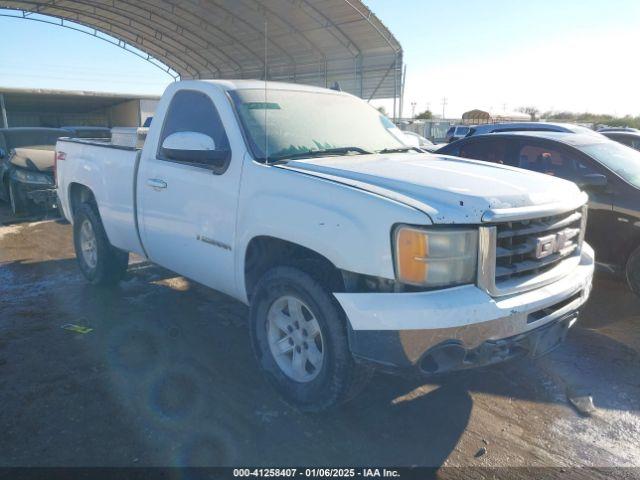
194	148
592	180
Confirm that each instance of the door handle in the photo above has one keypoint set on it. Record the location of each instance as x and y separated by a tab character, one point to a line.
156	183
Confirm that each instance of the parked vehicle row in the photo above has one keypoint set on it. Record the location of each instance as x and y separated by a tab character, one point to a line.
415	140
353	250
628	138
608	171
458	132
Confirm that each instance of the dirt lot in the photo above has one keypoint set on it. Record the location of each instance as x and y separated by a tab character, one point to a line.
166	377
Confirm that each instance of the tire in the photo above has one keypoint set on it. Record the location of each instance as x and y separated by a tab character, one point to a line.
337	377
17	202
632	272
103	264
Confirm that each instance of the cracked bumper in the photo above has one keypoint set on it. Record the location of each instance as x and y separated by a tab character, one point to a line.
402	330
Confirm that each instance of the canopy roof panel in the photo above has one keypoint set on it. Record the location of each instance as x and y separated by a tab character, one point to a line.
36	99
317	42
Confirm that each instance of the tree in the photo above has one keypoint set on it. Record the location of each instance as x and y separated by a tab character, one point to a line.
594	119
426	115
531	111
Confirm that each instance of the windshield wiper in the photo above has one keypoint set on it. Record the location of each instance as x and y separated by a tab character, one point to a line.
321	153
399	150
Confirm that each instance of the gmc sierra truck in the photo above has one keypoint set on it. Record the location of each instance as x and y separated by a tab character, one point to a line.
353	250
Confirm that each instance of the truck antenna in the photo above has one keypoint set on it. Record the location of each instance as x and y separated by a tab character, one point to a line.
266	72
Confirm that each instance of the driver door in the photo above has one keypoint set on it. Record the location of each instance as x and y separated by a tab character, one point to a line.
187	210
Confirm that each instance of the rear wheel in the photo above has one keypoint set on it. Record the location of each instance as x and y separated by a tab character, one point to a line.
100	262
300	341
633	271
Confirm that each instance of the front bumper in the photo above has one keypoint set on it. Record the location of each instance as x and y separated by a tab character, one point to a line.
47	197
463	326
38	192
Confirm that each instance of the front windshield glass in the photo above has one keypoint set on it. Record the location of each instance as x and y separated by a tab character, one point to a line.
618	158
300	122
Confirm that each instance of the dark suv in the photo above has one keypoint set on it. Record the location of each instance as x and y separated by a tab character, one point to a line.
608	171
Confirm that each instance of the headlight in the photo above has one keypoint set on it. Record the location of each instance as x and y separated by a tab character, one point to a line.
32	177
436	258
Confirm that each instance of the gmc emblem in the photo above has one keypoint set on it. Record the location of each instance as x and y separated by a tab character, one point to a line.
549	244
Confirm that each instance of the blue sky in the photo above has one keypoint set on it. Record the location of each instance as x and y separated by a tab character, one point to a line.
561	55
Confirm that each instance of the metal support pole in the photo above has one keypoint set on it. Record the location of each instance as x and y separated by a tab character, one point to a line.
402	82
5	122
326	80
395	88
360	85
355	75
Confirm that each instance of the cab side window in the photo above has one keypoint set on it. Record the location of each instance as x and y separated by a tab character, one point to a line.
192	111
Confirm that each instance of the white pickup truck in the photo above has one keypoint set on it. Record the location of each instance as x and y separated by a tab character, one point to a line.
353	250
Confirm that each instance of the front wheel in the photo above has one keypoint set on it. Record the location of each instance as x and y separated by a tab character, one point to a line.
300	341
633	271
100	262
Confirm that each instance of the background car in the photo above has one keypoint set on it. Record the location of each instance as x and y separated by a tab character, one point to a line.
26	166
415	140
618	129
457	132
607	170
529	126
626	137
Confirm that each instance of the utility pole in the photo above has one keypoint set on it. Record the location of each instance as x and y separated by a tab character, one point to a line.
444	104
413	109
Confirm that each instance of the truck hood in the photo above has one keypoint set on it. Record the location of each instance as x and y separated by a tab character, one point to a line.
448	189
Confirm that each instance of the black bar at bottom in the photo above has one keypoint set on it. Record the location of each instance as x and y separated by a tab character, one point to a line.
398	473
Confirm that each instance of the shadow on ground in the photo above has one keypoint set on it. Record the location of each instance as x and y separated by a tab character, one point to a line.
167	377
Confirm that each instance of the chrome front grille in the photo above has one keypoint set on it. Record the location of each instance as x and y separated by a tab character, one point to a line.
526	253
530	247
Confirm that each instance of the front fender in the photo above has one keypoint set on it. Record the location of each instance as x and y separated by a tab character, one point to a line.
348	226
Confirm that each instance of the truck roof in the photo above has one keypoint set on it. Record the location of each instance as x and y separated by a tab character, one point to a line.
242	84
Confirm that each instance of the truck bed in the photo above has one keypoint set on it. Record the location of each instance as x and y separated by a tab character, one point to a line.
109	171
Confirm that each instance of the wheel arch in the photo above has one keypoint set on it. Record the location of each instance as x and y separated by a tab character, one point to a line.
264	252
79	193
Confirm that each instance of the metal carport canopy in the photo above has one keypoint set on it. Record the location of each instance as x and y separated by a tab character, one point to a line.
316	42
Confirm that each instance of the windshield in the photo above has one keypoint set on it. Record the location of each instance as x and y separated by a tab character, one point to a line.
301	122
618	158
